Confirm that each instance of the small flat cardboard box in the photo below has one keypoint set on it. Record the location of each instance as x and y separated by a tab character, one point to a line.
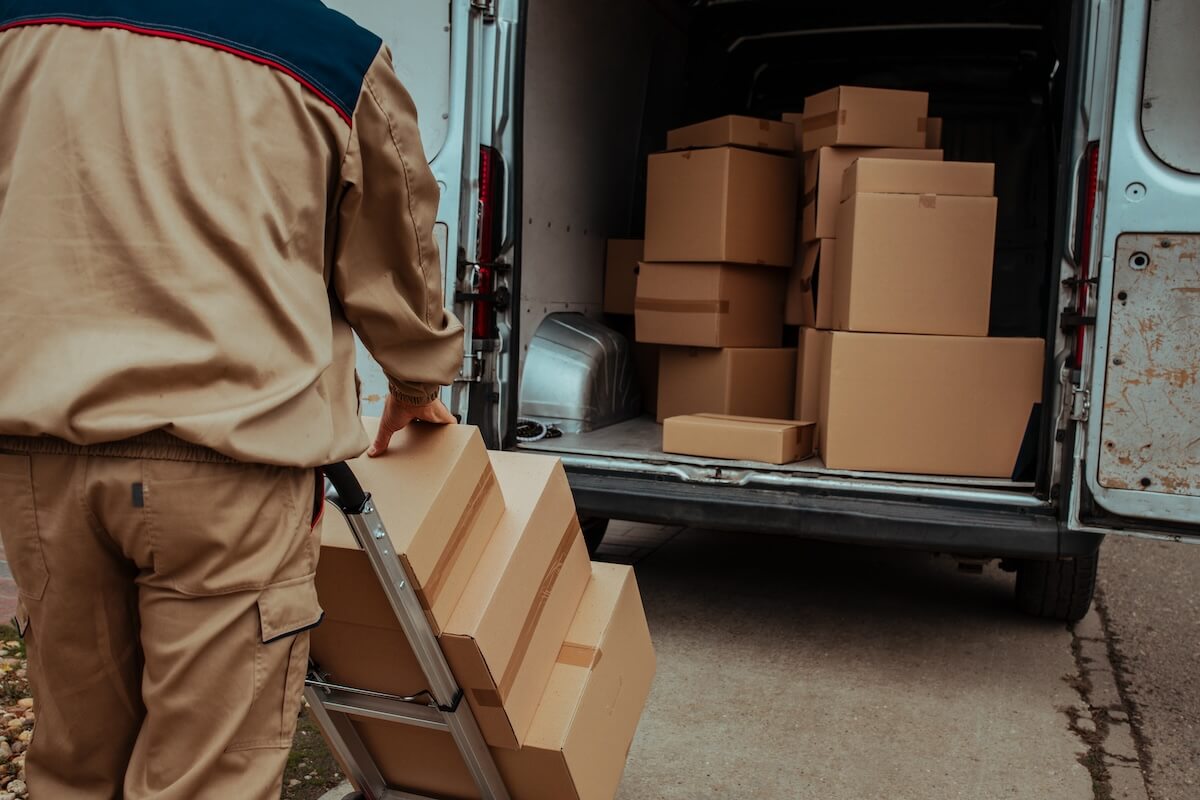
645	361
742	381
810	363
810	286
736	131
620	275
910	263
853	115
503	638
902	176
710	305
939	405
723	204
772	441
824	170
438	497
581	735
933	132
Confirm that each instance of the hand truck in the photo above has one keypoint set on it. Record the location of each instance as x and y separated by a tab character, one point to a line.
441	707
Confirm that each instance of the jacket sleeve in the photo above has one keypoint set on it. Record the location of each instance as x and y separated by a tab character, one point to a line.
386	270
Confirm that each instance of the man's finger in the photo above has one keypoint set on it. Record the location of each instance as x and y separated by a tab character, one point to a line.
382	439
437	412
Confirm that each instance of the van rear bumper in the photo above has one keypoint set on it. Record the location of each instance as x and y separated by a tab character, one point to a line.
967	529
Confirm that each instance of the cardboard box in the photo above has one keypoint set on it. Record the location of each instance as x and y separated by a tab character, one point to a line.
742	381
910	263
810	365
810	286
620	275
581	735
796	120
645	358
853	115
503	638
736	131
710	305
902	176
933	132
438	497
940	405
772	441
823	175
724	204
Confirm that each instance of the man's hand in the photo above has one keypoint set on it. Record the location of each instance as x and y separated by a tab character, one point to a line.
397	415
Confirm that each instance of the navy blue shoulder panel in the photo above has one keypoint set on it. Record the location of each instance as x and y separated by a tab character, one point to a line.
321	48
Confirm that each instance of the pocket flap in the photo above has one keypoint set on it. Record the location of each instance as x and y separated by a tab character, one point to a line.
288	608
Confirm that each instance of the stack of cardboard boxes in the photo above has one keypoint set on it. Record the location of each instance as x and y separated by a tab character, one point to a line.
552	652
894	293
720	236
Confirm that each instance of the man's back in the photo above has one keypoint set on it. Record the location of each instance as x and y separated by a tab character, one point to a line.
181	186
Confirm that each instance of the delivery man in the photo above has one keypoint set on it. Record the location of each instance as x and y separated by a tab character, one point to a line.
198	202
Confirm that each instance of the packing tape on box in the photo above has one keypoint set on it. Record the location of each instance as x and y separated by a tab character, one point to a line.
534	617
826	120
579	655
682	306
437	576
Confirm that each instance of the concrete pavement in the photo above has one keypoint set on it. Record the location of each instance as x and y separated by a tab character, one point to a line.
1150	608
792	669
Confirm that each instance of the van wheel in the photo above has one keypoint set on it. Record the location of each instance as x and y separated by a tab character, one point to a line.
594	529
1061	589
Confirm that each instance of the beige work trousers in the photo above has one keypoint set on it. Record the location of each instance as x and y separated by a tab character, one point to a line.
165	607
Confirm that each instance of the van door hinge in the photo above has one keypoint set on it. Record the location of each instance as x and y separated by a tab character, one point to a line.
488	7
472	368
1081	403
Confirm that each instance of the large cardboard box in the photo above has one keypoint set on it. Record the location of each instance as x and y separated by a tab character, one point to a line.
737	131
905	176
724	204
914	263
810	372
581	735
854	115
742	381
772	441
940	405
620	275
710	305
824	170
933	132
503	638
810	286
438	497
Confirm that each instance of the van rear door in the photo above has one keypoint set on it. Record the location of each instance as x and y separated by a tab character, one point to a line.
446	53
1137	460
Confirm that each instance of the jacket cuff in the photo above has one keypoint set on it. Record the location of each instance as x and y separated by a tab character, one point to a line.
413	394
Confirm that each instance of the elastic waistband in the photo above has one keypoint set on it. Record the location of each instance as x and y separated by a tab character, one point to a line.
158	445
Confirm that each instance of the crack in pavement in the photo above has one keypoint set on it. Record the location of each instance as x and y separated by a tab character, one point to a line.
1117	754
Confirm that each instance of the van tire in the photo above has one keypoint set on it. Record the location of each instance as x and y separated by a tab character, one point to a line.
1061	589
594	529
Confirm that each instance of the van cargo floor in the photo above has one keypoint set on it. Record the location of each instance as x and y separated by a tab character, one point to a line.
640	440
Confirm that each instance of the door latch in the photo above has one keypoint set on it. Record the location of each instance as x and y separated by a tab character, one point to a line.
472	368
487	7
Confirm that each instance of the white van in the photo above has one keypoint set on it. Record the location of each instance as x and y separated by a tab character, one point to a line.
538	117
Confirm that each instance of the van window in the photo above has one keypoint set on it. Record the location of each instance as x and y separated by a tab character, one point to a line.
418	33
1170	101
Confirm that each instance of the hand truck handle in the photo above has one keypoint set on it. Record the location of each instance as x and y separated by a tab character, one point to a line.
350	495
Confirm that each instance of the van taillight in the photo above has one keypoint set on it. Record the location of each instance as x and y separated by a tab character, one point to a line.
490	229
1084	224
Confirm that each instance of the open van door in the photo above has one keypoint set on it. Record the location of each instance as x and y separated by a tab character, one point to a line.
459	61
1136	457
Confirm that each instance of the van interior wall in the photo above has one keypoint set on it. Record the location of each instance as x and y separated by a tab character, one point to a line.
604	82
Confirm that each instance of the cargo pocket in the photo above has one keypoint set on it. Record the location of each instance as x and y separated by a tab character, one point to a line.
19	526
286	613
